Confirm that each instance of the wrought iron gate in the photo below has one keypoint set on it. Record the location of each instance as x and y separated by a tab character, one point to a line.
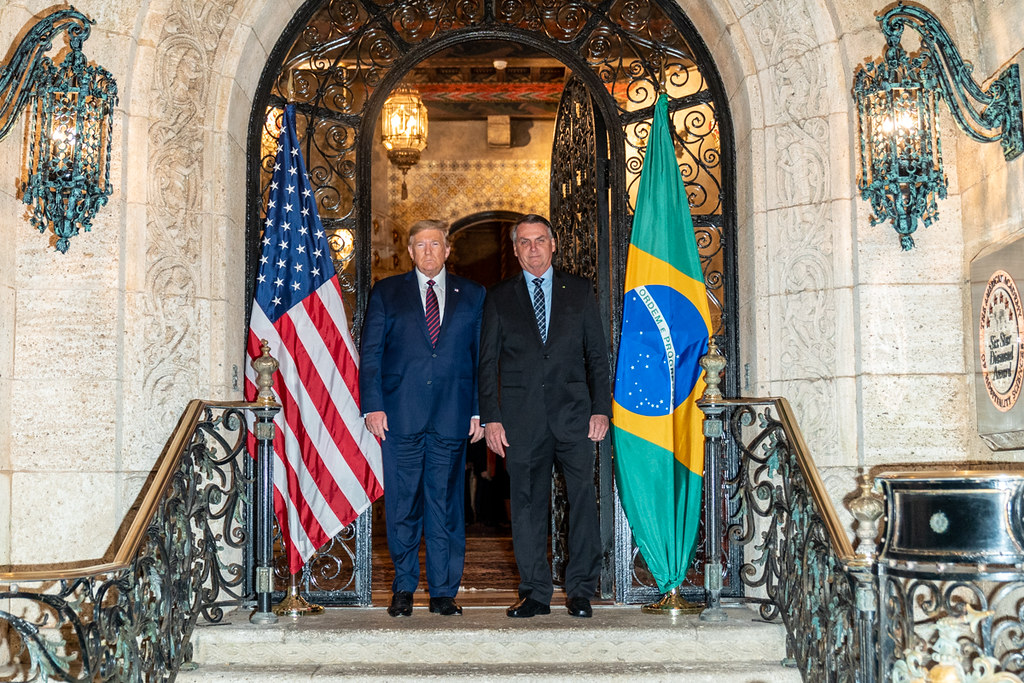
579	216
339	59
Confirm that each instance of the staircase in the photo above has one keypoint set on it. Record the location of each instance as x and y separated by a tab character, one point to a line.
619	643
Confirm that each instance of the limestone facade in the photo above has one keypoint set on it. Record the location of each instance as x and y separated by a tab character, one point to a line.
101	348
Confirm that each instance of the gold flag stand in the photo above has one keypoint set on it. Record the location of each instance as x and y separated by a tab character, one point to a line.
672	604
294	605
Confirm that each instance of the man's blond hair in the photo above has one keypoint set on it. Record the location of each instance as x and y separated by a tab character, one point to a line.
428	224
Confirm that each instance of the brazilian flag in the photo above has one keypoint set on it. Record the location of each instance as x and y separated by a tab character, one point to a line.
659	446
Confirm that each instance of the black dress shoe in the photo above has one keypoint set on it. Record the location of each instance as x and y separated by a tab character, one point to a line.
446	607
579	607
401	604
527	607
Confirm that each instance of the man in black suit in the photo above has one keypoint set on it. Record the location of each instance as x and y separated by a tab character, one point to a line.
544	396
417	385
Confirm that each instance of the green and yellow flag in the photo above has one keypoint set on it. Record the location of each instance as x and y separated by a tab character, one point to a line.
659	447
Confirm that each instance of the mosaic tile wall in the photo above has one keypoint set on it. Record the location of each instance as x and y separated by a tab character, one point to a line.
450	190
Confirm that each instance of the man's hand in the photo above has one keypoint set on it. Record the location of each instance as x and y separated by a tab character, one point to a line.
496	440
598	427
476	432
377	423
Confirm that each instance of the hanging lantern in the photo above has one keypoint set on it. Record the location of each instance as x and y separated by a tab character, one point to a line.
901	152
403	130
68	144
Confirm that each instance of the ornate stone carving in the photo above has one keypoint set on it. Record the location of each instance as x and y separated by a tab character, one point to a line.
798	144
173	321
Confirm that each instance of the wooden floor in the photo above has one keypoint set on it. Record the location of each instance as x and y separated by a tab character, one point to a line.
490	564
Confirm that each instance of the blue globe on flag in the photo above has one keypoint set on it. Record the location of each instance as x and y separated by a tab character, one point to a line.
662	322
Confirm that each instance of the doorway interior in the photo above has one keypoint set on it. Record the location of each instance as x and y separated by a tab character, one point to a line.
491	108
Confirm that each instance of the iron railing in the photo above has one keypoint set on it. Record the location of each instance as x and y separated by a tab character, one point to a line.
183	556
799	564
854	617
129	617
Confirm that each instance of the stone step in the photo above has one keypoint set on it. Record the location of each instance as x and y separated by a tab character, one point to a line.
708	672
619	642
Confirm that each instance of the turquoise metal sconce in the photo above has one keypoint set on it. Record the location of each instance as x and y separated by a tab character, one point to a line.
901	170
69	134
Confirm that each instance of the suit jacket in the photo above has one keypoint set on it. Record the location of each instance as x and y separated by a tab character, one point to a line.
421	387
525	383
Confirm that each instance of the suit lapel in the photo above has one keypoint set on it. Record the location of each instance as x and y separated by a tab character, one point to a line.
451	301
559	303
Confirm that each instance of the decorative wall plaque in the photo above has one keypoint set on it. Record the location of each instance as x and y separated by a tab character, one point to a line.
999	345
1001	329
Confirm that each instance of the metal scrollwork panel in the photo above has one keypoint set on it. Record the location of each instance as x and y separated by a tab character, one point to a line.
915	610
574	183
135	624
575	217
788	551
416	22
337	574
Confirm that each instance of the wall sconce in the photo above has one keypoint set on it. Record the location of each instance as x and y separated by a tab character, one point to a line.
69	134
900	151
403	130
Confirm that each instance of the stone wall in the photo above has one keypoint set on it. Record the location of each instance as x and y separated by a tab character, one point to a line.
992	190
101	348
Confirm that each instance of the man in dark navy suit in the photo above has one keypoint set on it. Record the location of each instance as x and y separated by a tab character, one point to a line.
545	396
417	390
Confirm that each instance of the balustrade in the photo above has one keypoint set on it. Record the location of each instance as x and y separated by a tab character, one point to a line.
940	602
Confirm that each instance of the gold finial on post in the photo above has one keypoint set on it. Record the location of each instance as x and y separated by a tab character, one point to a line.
868	508
713	363
265	366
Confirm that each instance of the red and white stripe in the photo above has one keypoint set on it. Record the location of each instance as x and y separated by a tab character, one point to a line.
328	466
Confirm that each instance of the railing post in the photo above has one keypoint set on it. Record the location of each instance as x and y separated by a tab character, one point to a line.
713	363
867	509
267	408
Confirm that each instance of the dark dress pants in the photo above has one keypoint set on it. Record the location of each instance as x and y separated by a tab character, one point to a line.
424	494
529	471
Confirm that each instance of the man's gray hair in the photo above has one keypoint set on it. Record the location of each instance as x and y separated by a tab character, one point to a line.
532	218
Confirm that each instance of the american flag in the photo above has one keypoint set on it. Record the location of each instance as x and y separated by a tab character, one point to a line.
328	466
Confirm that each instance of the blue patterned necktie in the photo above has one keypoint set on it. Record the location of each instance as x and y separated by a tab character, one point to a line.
433	314
538	309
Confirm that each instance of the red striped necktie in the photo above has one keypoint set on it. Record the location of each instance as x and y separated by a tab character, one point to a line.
433	314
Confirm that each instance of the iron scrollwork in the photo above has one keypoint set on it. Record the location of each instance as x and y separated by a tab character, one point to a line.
915	609
790	555
134	623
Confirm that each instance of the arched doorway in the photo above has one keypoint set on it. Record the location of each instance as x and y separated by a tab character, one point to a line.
339	59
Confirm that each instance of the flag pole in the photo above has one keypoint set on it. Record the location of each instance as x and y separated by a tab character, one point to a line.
293	604
661	82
